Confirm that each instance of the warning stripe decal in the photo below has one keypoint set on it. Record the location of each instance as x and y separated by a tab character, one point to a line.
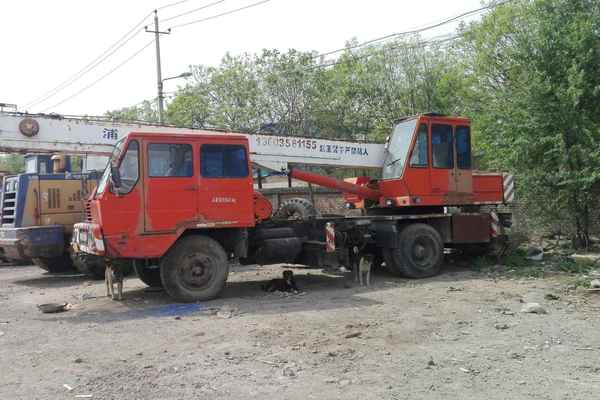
508	184
494	224
329	237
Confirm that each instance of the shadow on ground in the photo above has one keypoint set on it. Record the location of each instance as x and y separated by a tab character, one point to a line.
320	291
48	280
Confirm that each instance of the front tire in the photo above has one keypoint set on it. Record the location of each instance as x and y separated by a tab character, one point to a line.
419	255
195	269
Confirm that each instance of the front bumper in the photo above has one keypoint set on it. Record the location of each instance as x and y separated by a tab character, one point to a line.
87	238
32	242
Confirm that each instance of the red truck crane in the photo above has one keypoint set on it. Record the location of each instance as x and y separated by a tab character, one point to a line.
183	207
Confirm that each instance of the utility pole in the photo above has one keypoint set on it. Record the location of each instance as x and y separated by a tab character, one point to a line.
159	79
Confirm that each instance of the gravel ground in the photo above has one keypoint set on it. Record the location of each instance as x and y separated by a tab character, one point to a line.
458	335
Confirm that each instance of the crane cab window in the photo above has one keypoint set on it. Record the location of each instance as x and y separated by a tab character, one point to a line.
420	152
463	147
397	149
442	151
170	160
223	161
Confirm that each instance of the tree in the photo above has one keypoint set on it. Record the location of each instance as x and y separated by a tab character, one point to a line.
144	111
12	163
538	83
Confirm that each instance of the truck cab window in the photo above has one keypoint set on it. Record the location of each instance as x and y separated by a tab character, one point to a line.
170	160
463	147
129	169
420	153
442	150
223	161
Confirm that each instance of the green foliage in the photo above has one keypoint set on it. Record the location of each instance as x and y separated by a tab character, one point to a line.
538	76
145	111
12	163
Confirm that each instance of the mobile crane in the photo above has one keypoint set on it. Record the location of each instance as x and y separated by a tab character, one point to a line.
40	206
182	205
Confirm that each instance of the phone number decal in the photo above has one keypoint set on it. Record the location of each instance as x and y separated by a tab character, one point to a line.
310	144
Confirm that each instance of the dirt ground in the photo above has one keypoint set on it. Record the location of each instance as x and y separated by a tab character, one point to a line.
458	335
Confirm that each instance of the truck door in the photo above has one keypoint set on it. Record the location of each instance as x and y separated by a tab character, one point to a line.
418	176
442	172
170	187
463	172
225	192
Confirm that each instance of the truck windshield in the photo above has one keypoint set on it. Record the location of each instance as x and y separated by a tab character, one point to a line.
398	149
114	158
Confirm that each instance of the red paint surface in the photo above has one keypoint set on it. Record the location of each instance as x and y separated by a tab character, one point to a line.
147	221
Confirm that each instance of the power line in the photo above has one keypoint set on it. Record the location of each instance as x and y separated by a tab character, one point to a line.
92	65
220	15
214	3
433	41
414	31
112	49
102	77
172	4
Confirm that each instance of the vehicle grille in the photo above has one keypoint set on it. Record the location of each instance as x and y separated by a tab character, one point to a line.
9	201
53	198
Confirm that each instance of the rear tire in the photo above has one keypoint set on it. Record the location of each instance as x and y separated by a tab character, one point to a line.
195	269
420	253
150	276
54	264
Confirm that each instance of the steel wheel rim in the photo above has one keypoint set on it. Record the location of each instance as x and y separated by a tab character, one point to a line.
196	271
422	252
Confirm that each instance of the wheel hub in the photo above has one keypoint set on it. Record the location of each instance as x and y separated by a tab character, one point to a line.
419	251
422	252
196	271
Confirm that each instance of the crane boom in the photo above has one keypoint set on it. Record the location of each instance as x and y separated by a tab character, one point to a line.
40	133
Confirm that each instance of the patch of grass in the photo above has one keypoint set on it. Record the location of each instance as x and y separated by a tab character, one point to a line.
568	265
577	281
518	265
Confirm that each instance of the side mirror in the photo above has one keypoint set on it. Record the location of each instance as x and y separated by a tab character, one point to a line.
115	176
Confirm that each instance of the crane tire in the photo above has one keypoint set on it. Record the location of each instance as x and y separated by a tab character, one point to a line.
195	269
420	252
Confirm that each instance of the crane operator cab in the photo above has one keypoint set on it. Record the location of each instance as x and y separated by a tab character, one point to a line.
428	164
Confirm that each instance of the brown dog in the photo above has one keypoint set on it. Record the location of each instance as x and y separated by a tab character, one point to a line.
287	284
113	274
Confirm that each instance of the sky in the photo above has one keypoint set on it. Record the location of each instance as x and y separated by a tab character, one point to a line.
44	43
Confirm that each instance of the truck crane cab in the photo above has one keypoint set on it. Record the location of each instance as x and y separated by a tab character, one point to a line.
428	166
429	162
